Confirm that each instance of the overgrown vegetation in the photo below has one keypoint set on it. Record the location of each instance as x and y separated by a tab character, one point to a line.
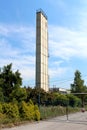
15	106
53	111
21	103
79	87
12	112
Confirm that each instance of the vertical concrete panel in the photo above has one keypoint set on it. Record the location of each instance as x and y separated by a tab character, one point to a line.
41	51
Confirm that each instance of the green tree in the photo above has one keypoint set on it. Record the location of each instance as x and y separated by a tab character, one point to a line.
9	80
37	95
18	94
61	99
74	101
1	95
28	91
78	86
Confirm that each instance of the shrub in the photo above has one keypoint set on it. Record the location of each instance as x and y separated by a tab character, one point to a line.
11	110
74	101
23	110
36	113
2	118
61	100
28	111
1	108
18	94
1	95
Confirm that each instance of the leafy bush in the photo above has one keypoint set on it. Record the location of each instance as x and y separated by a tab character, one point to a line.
1	108
61	100
2	118
11	110
74	101
23	110
36	113
28	111
18	94
1	93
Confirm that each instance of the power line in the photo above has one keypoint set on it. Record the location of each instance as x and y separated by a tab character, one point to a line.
58	81
64	80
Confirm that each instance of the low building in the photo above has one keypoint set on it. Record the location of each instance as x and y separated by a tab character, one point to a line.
60	90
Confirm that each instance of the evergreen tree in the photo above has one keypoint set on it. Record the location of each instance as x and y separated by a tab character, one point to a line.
78	86
9	80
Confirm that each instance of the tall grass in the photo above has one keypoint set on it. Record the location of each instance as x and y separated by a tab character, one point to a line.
53	111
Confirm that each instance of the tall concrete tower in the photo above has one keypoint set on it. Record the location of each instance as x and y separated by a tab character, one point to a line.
41	50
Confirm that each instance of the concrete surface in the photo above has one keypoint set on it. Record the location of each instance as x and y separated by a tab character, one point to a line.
76	121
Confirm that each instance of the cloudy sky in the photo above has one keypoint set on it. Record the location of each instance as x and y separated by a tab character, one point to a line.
67	27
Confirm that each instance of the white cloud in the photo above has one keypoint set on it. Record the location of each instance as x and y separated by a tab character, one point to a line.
17	46
17	37
57	72
66	43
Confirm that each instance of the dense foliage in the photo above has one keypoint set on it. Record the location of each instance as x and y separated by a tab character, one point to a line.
79	87
11	90
9	81
12	112
21	103
29	111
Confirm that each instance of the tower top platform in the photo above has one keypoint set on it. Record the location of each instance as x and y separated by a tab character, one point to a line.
41	11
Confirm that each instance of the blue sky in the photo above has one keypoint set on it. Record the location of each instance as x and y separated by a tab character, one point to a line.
67	27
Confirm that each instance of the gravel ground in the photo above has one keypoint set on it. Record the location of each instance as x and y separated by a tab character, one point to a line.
76	121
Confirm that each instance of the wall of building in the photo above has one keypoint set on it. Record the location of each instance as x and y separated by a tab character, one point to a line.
41	51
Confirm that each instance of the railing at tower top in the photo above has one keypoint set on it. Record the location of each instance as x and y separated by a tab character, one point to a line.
41	11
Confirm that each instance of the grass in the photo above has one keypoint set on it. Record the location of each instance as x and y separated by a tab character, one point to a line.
45	113
53	111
